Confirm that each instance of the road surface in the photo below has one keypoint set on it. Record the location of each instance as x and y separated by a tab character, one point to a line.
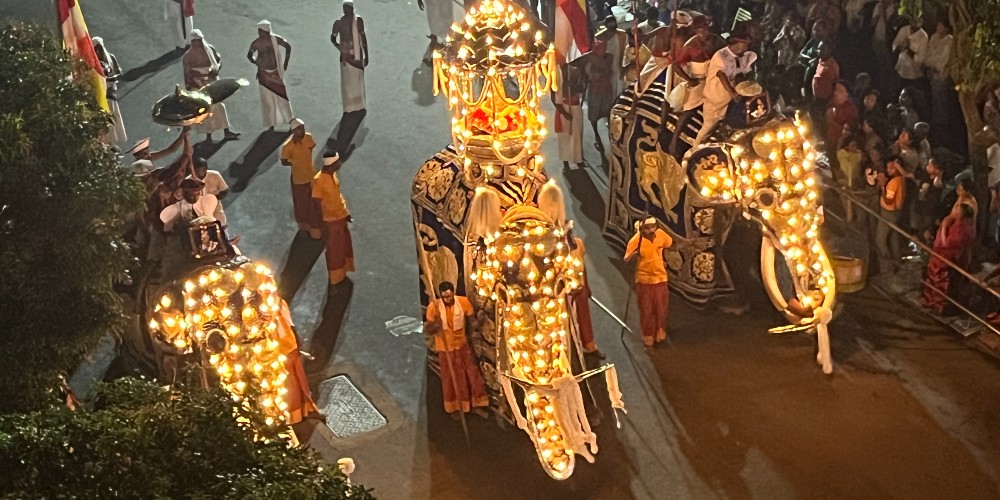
727	411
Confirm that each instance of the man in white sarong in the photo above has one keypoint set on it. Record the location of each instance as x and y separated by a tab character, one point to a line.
720	81
271	69
112	71
348	35
349	38
201	66
616	40
568	101
179	15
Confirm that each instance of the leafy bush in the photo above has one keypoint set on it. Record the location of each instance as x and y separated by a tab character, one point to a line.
145	441
63	203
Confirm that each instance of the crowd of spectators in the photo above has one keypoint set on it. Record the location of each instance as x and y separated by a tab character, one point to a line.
876	86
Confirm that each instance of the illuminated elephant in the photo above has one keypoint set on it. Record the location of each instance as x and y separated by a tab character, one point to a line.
525	269
224	314
440	199
758	161
474	202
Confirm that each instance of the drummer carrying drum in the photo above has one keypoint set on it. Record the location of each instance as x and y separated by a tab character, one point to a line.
727	66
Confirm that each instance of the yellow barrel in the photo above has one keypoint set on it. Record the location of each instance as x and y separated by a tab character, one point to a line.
851	273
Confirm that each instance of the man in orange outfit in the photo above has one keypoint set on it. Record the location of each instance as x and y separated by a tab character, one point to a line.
651	278
461	382
580	300
333	209
300	402
297	153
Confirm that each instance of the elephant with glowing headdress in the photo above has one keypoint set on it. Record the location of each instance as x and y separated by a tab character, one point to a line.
477	202
757	161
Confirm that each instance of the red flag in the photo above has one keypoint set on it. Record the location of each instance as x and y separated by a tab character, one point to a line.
572	30
76	39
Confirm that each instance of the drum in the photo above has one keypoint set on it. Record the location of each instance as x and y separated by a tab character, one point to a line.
851	273
750	108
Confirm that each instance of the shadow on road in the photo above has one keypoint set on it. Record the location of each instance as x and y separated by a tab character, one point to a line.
262	152
149	69
583	190
152	66
206	149
345	137
324	338
507	452
422	84
299	260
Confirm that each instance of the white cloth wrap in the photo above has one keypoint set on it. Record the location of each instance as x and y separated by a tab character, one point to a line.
484	215
571	416
614	393
352	79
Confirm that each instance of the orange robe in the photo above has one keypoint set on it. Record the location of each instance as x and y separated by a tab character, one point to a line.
651	283
300	156
333	209
461	382
299	398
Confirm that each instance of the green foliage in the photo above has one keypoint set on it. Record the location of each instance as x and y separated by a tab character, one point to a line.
63	202
145	441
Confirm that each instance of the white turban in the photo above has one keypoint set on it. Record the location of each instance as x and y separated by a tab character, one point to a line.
349	2
296	123
330	160
649	221
197	35
264	25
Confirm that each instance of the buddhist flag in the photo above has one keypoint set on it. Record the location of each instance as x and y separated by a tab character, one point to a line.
572	30
77	41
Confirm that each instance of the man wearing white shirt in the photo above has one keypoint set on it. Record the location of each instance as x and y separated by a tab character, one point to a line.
652	21
720	88
215	185
193	205
936	61
911	45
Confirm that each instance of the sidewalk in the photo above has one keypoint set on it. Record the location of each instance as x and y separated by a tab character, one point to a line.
906	284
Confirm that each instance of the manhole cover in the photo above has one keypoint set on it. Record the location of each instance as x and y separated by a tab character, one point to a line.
404	325
348	412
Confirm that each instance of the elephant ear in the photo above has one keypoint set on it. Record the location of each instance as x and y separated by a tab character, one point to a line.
485	213
709	169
